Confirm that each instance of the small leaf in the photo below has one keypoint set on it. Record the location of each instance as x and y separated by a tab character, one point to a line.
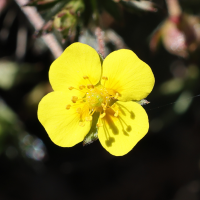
90	138
93	134
46	6
143	102
56	9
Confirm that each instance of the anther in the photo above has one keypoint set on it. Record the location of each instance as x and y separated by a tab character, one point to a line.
102	115
70	88
85	77
116	113
104	106
105	78
99	125
74	99
68	106
89	86
88	118
116	95
82	124
81	87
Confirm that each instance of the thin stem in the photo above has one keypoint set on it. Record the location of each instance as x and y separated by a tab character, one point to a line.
100	39
174	8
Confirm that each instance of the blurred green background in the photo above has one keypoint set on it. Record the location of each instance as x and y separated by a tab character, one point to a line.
165	164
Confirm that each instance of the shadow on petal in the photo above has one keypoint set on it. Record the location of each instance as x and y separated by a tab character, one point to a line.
132	115
111	123
110	141
122	111
125	133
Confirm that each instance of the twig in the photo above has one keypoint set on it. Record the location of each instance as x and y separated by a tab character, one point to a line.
37	21
100	39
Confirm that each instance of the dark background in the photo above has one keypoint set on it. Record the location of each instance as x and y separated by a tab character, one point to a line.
164	165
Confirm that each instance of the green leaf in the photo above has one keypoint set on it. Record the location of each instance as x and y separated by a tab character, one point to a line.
55	9
46	6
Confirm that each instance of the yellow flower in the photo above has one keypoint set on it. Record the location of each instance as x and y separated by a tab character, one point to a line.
83	85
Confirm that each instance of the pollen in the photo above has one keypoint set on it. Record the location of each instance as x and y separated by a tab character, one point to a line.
81	87
105	78
99	124
89	86
68	106
88	118
116	113
85	77
70	88
74	99
103	106
116	95
96	99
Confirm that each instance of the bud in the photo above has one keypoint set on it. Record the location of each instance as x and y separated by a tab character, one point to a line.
179	33
64	20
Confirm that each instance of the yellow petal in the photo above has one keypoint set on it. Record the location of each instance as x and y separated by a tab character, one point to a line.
127	75
120	134
78	60
61	124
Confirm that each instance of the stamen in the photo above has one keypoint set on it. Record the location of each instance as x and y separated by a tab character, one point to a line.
82	124
81	100
85	77
74	99
92	111
88	118
81	87
102	115
89	86
116	95
78	110
105	78
68	106
116	113
70	88
99	124
103	106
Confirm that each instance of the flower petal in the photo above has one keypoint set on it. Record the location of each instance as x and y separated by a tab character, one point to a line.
62	125
77	60
127	75
120	134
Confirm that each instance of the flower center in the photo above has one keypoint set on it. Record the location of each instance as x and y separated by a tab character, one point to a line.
96	99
